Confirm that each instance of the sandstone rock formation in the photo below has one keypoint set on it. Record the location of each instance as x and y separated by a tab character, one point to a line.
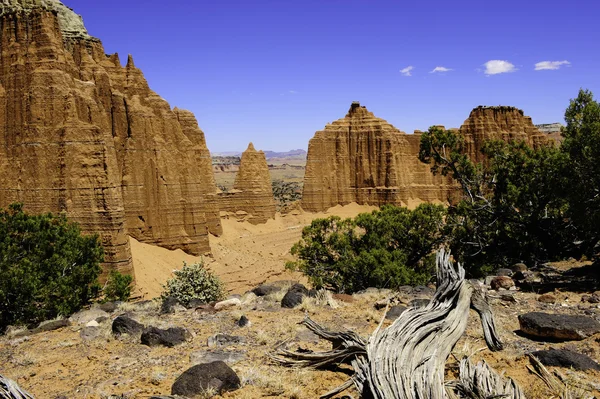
252	192
83	135
498	123
364	159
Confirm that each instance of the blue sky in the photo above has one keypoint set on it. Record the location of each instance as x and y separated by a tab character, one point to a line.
275	71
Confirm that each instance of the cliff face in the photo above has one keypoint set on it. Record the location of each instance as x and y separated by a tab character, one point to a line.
83	135
498	123
252	192
364	159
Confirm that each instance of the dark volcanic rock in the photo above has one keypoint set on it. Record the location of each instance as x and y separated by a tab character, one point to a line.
203	377
518	267
566	358
110	307
395	312
292	299
264	290
243	321
504	272
503	282
558	327
170	337
126	325
52	325
169	305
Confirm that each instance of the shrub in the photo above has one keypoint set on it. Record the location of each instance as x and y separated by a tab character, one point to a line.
47	268
118	287
386	248
194	282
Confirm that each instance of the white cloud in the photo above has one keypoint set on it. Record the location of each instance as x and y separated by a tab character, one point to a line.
407	71
293	92
440	69
550	65
495	67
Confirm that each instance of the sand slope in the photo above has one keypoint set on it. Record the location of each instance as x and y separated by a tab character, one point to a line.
243	257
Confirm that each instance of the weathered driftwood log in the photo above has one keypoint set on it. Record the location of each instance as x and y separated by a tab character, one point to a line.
11	390
406	360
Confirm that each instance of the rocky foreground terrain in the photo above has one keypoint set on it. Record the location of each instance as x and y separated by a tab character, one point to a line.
92	355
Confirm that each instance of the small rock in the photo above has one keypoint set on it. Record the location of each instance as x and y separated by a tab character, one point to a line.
503	282
243	322
547	298
204	377
110	307
218	355
518	267
423	290
126	325
504	272
170	305
85	316
566	358
93	323
52	325
395	312
206	309
418	303
170	337
292	299
221	340
558	327
508	298
228	304
594	298
102	319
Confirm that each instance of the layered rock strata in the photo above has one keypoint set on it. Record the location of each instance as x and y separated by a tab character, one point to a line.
498	123
364	159
85	136
252	194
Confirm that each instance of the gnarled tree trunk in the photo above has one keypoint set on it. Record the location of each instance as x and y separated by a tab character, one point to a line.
407	360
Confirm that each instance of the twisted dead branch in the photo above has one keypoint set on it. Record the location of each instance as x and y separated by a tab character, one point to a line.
407	360
11	390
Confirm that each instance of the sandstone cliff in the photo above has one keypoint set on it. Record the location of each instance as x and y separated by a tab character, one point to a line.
364	159
252	193
498	123
83	135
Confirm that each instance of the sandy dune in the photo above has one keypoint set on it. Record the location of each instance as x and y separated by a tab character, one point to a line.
244	256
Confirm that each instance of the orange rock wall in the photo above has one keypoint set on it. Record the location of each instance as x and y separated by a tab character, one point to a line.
83	135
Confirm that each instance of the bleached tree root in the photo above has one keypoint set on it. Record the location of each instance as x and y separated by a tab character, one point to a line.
406	360
11	390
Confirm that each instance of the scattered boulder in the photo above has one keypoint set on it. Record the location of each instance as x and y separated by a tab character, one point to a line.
221	340
381	304
292	299
547	298
170	337
201	378
243	322
264	290
502	282
395	312
558	327
566	358
228	357
93	323
418	303
422	290
518	267
228	304
594	298
126	325
85	316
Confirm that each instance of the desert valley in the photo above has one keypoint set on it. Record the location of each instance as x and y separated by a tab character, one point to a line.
87	139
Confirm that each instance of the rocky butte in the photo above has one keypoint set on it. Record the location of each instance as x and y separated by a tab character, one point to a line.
83	135
252	195
361	158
